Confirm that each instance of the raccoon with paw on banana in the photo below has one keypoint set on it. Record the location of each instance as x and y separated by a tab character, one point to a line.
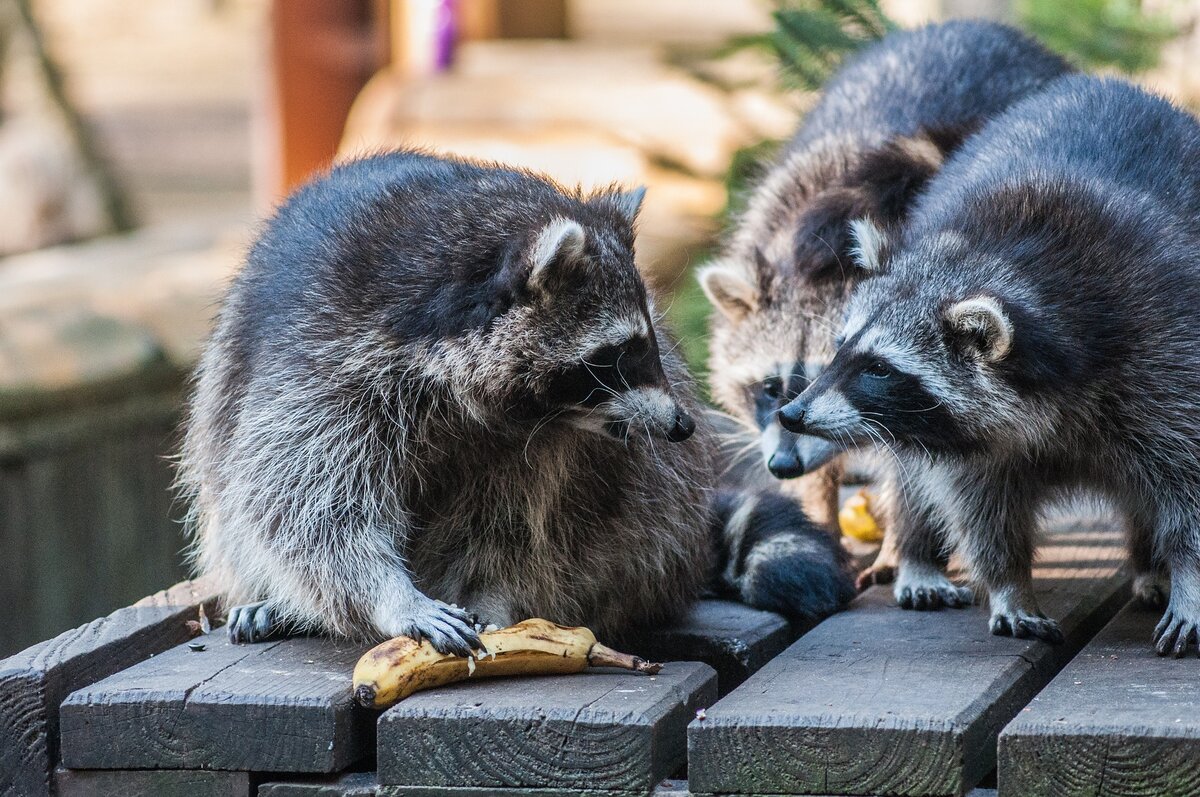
439	384
882	128
1034	330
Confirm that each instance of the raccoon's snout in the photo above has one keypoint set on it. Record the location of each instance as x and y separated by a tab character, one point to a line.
683	428
793	416
785	464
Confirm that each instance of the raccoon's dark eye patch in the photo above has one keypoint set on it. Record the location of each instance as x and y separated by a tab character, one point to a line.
772	387
878	369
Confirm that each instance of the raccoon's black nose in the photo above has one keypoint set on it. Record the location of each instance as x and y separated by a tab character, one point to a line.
683	428
791	417
785	465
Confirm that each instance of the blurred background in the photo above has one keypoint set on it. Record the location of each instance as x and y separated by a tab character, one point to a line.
140	141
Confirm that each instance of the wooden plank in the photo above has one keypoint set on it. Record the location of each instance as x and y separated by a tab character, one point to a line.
732	638
150	783
347	784
878	700
1118	720
601	730
275	707
35	681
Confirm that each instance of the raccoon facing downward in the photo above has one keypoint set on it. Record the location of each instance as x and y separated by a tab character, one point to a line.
438	384
882	128
1036	330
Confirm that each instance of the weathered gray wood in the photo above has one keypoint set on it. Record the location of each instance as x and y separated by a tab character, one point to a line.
347	784
1118	720
603	730
35	681
150	783
495	791
273	707
732	638
877	700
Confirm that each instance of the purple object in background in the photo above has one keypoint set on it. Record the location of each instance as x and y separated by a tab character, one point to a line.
445	33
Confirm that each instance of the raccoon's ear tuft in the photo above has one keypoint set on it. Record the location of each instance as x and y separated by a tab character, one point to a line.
869	245
729	289
980	326
560	242
627	203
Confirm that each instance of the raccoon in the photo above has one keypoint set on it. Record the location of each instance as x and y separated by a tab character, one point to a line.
1035	330
435	398
880	131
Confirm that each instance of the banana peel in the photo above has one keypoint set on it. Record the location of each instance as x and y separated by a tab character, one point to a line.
856	520
395	669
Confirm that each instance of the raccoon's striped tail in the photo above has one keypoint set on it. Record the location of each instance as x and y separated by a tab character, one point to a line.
771	556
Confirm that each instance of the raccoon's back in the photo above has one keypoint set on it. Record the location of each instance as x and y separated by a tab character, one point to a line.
943	75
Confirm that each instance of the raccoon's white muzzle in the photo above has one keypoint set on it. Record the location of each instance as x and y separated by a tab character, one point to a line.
650	408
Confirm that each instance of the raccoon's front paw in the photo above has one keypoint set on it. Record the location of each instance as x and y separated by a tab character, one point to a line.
875	574
448	628
1023	625
253	622
1150	590
1176	632
926	588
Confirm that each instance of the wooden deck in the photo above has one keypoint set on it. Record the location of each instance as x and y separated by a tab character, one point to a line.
874	701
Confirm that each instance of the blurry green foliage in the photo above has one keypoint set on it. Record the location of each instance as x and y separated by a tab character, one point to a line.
811	37
687	317
1096	33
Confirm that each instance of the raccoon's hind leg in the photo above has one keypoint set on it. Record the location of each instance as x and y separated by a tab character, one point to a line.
1149	582
887	561
883	569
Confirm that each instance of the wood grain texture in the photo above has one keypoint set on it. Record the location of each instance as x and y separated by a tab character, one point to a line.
35	681
732	638
150	783
348	784
878	700
273	707
1118	720
601	730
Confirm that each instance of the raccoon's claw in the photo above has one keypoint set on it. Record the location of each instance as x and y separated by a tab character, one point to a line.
932	597
875	574
1025	626
448	628
1175	634
252	622
924	588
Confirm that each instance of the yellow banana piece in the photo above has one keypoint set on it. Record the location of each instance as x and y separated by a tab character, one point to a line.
395	669
856	519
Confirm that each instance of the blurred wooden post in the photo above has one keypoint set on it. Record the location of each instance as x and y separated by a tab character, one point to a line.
319	55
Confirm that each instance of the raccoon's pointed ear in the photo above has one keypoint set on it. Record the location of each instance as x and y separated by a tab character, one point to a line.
729	289
980	327
560	242
627	203
868	245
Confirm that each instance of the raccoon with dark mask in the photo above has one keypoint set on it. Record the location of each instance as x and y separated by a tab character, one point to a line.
437	396
882	128
1032	332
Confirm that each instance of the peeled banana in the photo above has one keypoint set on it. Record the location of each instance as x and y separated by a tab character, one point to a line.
393	670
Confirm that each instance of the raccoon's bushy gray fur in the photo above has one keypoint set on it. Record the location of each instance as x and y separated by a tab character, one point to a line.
439	382
433	383
1034	330
881	129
